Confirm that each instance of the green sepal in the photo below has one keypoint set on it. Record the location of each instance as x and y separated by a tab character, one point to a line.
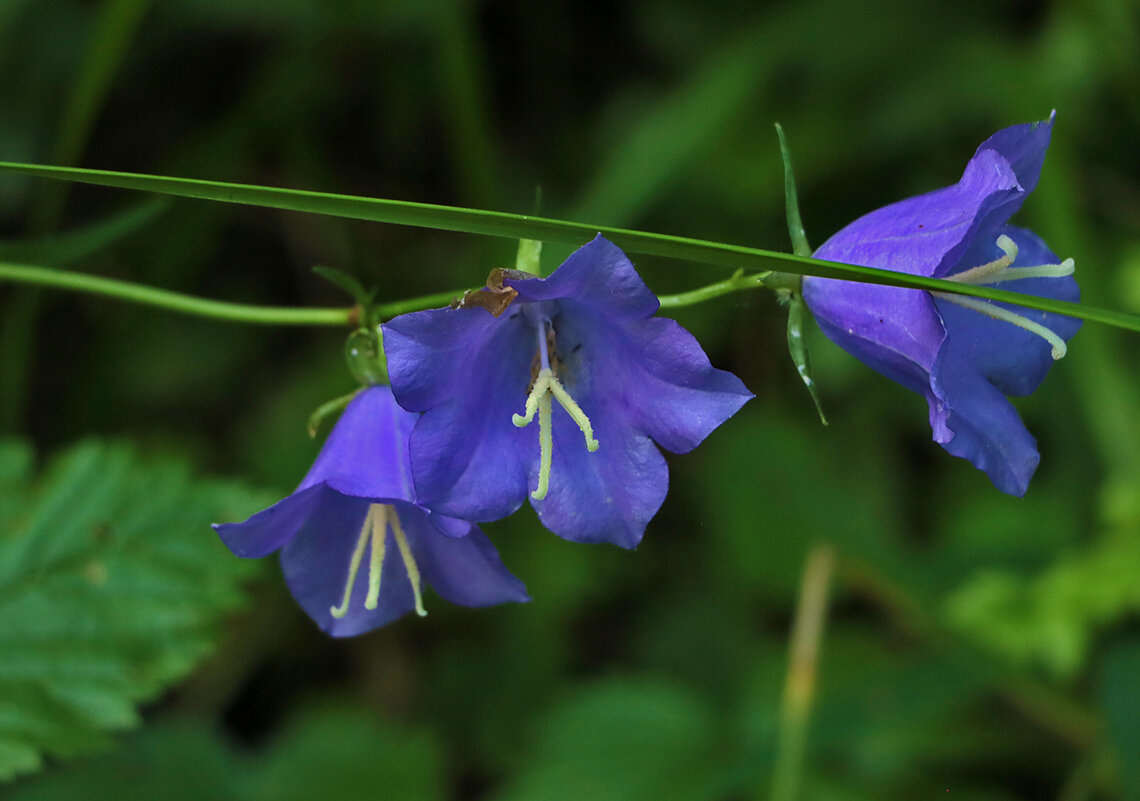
335	406
800	245
798	348
349	283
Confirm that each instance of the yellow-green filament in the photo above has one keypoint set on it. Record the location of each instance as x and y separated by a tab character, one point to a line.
1007	316
1000	270
376	561
354	566
575	412
545	447
409	561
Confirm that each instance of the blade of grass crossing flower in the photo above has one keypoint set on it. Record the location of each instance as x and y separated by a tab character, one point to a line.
518	226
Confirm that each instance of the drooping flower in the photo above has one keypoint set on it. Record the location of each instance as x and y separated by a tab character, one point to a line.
355	547
583	352
964	355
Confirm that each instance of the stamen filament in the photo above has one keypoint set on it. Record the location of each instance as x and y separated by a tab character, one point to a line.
1000	270
575	412
354	566
545	446
409	561
376	560
1007	316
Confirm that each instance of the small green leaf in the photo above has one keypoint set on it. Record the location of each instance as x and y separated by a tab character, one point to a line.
112	587
349	283
796	231
799	352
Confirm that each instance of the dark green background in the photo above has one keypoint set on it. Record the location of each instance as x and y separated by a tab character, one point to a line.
979	644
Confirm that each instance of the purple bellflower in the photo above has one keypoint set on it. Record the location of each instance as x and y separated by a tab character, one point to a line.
964	355
355	547
583	352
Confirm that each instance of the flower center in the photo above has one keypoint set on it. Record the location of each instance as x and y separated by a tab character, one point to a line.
544	388
379	519
1001	270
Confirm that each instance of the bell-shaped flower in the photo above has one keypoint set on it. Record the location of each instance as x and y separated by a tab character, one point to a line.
558	386
356	550
964	355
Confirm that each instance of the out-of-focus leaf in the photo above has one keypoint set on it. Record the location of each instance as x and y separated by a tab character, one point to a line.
345	754
623	740
111	587
70	246
1121	703
332	754
1050	619
174	762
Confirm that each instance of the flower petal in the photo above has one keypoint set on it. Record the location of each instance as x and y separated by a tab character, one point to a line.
469	371
466	571
269	529
609	495
986	428
598	274
366	452
897	332
1013	359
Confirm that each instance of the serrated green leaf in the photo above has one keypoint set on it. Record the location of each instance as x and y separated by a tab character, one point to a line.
111	588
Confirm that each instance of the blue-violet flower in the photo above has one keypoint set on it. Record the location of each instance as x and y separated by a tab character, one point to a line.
355	547
582	351
964	355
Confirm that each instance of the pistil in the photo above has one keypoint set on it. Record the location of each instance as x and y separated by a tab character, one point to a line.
547	387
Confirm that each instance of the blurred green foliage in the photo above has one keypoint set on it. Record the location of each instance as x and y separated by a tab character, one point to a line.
978	644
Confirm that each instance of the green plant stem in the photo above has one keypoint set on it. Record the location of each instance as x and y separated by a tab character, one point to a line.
799	686
519	226
737	282
171	301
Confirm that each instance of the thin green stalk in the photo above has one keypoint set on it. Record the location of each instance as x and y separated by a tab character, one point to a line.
799	687
171	301
737	282
519	226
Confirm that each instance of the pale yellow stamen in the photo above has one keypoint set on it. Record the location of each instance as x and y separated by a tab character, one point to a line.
1001	270
1007	316
409	561
354	566
379	546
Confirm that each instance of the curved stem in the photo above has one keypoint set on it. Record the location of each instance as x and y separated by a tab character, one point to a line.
737	282
172	301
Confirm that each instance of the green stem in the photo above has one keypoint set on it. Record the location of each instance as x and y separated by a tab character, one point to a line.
799	687
171	301
737	282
